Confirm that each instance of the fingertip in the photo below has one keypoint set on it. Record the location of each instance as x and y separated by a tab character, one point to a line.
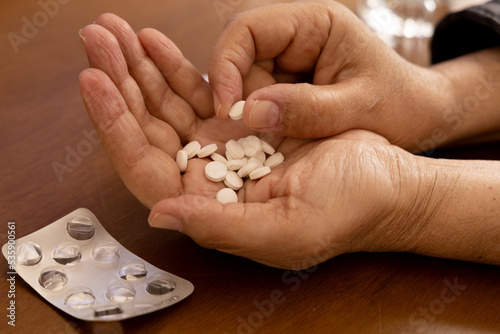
165	221
86	78
91	76
106	17
82	33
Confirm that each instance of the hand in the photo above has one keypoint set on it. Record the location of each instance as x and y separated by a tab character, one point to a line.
353	192
358	81
146	101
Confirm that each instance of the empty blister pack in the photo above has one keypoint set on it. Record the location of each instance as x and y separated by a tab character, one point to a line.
76	265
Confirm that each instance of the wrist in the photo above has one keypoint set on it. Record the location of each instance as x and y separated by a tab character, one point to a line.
413	206
470	85
455	213
402	203
430	97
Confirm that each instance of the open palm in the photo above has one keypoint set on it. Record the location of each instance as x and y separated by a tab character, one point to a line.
146	101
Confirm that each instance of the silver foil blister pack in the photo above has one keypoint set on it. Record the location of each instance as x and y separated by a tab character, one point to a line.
77	266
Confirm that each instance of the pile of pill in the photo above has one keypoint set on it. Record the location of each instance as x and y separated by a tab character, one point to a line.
247	158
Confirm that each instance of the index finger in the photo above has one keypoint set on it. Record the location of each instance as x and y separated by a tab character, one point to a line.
293	34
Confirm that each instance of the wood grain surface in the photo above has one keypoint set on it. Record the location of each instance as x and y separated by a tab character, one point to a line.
42	120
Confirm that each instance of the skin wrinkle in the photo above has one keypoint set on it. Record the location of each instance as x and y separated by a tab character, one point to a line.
252	244
123	78
142	117
105	53
110	123
367	231
161	109
198	91
418	212
333	125
232	88
324	61
119	28
253	54
174	61
320	206
141	153
285	61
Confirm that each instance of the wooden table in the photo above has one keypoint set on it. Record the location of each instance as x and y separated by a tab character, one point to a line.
42	118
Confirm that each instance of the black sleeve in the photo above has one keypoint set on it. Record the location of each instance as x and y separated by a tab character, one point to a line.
467	31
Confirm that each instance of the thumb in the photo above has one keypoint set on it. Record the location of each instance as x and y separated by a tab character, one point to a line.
308	111
226	227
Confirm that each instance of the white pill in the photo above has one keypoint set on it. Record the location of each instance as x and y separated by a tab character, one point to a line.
251	146
241	141
234	164
227	195
215	171
256	161
274	160
234	149
247	169
192	149
267	148
261	156
228	156
182	160
233	181
207	150
259	172
218	157
236	111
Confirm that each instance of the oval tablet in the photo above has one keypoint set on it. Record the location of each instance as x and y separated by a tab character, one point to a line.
234	149
182	160
241	140
236	111
234	164
230	157
215	171
218	157
233	181
251	146
207	150
261	156
192	149
257	161
267	148
259	172
274	160
247	169
227	195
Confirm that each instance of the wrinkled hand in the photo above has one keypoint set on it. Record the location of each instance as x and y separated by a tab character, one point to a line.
332	196
146	101
358	82
329	197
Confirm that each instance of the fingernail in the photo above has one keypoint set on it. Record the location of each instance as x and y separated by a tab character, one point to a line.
165	221
81	36
217	105
264	114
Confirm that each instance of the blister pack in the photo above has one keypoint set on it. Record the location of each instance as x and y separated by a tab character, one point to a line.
77	266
